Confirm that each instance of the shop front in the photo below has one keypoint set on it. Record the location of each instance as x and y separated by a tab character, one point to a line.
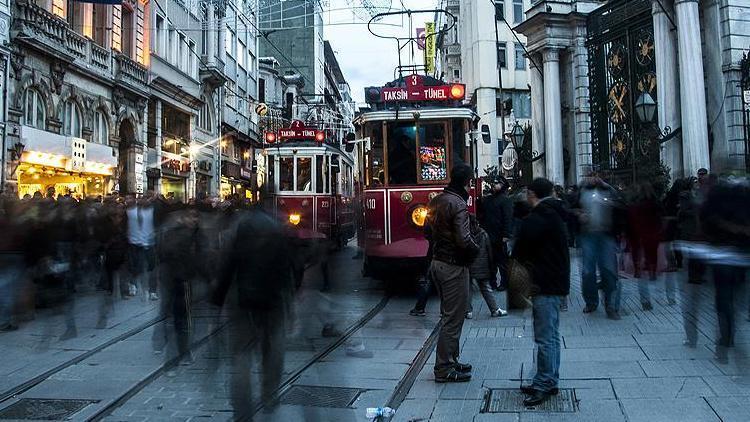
232	184
63	165
175	171
203	179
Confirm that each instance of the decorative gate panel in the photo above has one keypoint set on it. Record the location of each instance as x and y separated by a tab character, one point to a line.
622	66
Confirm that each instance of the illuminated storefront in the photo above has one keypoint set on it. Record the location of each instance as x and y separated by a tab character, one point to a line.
175	170
63	165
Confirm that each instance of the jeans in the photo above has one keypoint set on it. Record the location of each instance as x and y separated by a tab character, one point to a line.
452	283
728	281
140	257
424	290
546	311
11	278
599	251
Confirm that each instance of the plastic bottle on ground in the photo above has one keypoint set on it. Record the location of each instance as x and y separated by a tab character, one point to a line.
380	412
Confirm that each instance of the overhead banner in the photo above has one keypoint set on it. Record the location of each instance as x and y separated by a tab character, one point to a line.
420	38
429	47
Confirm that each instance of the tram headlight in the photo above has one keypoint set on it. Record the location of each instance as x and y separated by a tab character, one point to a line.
294	218
419	215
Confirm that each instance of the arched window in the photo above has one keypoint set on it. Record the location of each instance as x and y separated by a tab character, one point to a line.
101	128
72	119
34	112
204	116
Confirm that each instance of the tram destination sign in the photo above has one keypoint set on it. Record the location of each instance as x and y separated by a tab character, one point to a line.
297	130
416	90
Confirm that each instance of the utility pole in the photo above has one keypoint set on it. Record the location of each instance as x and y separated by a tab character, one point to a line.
500	90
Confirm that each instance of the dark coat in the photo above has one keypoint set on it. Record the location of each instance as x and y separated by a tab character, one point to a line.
482	268
449	232
258	263
542	246
498	216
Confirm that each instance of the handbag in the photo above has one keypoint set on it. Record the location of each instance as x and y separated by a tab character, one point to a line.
520	285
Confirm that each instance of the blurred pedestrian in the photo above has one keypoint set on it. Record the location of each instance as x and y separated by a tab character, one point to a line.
11	260
481	270
644	230
110	231
258	270
598	212
497	221
542	246
452	252
141	239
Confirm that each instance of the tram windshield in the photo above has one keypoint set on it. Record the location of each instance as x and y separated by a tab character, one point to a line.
414	153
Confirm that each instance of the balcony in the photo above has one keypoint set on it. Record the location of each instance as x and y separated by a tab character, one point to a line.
212	71
52	36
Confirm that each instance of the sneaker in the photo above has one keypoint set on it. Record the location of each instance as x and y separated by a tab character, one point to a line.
499	312
132	290
417	312
453	376
470	315
153	296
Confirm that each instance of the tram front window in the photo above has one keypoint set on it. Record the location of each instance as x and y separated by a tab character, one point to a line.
304	174
402	147
286	174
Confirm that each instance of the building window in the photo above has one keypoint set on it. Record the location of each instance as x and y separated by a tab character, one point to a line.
204	117
192	69
159	41
261	90
500	9
100	20
456	74
520	59
72	119
101	128
241	54
34	113
517	11
182	60
128	23
502	56
205	32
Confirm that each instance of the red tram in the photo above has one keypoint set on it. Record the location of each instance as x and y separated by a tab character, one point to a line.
310	184
416	132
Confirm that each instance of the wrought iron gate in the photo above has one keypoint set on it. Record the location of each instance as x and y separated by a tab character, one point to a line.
622	66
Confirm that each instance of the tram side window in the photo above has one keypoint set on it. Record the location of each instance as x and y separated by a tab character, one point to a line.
304	174
321	176
402	147
376	177
271	182
286	174
458	146
433	153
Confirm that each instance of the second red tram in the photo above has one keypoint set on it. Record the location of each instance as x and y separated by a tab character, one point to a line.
416	132
310	187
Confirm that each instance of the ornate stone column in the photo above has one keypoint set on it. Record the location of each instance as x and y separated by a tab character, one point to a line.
537	117
553	141
667	87
692	88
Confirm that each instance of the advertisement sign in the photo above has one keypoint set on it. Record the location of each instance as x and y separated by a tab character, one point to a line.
429	50
77	160
420	38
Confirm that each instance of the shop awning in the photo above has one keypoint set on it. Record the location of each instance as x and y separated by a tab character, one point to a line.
37	140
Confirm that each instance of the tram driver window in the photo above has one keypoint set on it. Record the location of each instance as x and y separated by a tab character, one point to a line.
458	145
304	174
433	153
375	163
402	147
286	174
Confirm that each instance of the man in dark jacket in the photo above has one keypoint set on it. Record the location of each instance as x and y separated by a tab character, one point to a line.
542	246
453	248
498	223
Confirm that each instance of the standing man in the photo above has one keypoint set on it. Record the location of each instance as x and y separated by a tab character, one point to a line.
542	246
599	212
141	239
453	249
498	223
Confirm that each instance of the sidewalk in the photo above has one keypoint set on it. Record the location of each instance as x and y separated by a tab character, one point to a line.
635	369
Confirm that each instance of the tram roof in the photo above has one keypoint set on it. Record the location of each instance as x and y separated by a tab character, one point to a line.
424	114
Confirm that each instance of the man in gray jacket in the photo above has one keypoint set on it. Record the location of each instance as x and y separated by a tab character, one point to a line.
453	249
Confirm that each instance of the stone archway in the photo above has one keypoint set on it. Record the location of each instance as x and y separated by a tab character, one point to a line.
126	157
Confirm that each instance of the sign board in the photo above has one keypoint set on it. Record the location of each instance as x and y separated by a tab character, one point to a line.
77	160
420	38
746	96
298	131
261	109
415	90
429	47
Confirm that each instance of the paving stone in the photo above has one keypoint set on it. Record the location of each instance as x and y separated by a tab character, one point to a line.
664	388
415	410
724	385
602	354
668	410
588	411
679	368
574	342
472	390
589	370
677	352
455	410
426	389
730	409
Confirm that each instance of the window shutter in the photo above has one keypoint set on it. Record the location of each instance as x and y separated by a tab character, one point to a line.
117	28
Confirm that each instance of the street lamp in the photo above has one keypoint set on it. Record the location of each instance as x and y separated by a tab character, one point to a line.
645	109
517	135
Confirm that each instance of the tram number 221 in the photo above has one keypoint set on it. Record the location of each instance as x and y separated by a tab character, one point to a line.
371	204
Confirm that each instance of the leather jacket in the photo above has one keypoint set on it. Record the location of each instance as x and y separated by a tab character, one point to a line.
449	231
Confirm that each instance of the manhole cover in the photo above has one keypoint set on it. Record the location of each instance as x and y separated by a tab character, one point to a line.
510	400
310	395
44	409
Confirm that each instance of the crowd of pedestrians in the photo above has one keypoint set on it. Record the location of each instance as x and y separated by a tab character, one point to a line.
527	234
